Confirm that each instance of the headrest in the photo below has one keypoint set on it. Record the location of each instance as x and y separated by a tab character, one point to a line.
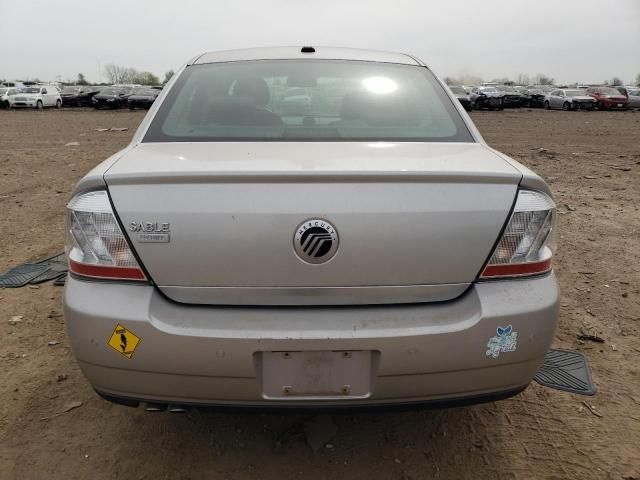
253	87
225	110
241	111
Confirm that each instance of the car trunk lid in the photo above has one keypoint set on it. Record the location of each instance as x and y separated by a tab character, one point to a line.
414	221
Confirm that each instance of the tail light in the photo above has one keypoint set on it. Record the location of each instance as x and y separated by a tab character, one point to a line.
95	245
527	244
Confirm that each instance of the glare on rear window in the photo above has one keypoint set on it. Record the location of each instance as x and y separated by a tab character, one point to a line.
307	100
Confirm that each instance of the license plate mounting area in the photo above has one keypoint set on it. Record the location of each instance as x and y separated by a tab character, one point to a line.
316	375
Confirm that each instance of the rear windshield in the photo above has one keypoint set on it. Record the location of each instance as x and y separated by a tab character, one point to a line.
575	93
307	100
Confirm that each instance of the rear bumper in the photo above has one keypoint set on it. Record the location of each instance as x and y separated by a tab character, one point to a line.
105	104
27	104
72	101
511	102
212	355
617	105
582	105
490	102
304	407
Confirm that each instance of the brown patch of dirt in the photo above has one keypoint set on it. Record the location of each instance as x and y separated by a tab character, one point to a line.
592	162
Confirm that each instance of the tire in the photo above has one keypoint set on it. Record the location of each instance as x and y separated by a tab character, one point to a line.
39	105
58	104
547	106
566	107
599	106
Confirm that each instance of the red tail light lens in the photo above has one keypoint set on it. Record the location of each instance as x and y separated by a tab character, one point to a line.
95	245
527	244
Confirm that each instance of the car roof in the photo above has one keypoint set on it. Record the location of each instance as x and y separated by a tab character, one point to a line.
288	53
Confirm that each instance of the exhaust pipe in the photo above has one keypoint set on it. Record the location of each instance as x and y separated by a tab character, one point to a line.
178	408
154	407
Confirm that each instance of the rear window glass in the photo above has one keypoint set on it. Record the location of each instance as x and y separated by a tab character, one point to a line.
307	100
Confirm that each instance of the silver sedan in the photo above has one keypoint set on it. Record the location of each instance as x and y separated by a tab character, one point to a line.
634	98
368	250
569	99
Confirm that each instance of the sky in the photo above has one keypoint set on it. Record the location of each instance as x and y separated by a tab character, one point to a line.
586	41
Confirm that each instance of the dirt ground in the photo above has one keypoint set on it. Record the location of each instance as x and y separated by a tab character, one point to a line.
592	162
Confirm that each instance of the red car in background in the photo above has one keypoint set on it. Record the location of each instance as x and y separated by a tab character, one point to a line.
608	98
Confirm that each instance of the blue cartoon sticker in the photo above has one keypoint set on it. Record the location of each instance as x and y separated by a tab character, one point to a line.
505	341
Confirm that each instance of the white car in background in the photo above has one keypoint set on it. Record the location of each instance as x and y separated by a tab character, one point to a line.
38	96
5	93
17	84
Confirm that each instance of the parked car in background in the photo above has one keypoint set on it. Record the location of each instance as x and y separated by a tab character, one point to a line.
623	90
463	97
5	93
512	98
545	88
608	98
634	98
38	97
142	97
487	97
261	277
111	97
14	84
569	99
77	96
532	97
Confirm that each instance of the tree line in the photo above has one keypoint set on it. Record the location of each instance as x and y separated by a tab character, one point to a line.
117	74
